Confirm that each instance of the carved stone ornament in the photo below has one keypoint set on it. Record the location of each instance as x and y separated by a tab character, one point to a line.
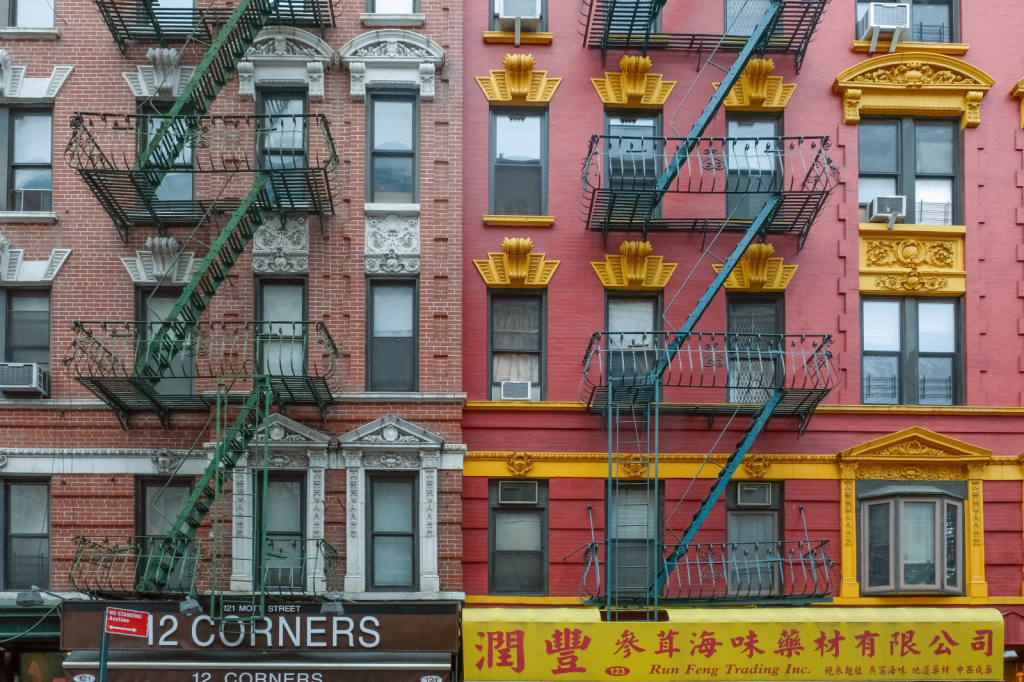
167	461
15	85
913	83
634	465
163	78
393	56
757	90
635	268
516	267
14	267
756	465
912	259
391	461
392	244
633	87
519	463
518	83
285	54
161	261
916	454
758	271
281	246
290	443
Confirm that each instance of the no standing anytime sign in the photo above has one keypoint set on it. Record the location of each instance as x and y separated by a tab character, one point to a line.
125	622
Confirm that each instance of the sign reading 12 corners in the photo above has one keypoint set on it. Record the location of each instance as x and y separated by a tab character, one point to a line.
735	644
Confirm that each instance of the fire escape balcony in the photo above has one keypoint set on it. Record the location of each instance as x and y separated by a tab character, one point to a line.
712	373
728	180
205	169
114	568
629	25
169	23
301	360
791	571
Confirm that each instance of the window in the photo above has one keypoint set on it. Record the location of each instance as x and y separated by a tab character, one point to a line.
634	152
517	341
755	361
159	503
912	544
752	529
519	154
931	21
393	333
175	186
154	308
391	6
632	321
31	13
527	7
754	165
282	335
26	535
910	351
519	537
26	326
29	167
394	145
634	539
280	559
742	16
392	538
916	158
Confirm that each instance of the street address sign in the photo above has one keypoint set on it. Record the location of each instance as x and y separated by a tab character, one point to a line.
125	622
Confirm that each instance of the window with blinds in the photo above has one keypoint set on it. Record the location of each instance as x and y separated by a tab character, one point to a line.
282	336
27	535
517	559
753	347
634	539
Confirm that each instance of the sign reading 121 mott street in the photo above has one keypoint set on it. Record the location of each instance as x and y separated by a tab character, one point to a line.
125	622
735	644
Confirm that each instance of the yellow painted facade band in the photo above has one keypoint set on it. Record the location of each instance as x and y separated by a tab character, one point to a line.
735	644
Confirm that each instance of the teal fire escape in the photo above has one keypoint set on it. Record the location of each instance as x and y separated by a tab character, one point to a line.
632	379
246	169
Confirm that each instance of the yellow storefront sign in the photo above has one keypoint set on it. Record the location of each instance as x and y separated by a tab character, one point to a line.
735	644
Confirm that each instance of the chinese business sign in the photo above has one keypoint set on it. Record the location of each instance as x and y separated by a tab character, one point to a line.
735	644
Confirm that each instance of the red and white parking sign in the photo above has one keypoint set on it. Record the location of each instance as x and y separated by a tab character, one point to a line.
125	622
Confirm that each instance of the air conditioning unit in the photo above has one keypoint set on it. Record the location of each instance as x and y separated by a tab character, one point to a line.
517	492
887	210
753	494
889	18
26	378
515	390
518	16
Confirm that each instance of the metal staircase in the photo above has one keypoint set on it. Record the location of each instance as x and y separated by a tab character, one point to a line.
632	378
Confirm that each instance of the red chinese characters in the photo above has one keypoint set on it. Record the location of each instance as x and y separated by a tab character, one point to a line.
706	645
943	647
982	641
666	643
789	644
748	643
828	645
504	650
627	644
565	643
866	643
905	642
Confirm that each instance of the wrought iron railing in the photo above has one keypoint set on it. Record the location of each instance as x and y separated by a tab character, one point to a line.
800	570
115	567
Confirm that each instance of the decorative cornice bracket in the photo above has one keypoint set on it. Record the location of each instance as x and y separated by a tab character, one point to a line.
634	269
518	83
633	87
516	267
15	85
758	271
757	90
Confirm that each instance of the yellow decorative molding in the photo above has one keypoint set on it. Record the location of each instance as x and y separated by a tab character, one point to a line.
913	84
518	83
912	259
516	267
757	90
633	87
525	37
758	271
1018	93
907	46
519	463
519	220
635	269
756	465
854	410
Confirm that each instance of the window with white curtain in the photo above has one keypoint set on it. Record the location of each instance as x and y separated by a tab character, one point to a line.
282	333
912	544
517	342
392	538
26	535
632	343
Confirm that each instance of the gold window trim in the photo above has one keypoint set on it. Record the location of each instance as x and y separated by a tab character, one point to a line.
913	84
633	86
516	267
635	269
758	90
919	260
518	83
1018	93
758	271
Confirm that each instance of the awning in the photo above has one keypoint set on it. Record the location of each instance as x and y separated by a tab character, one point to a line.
30	624
223	666
735	644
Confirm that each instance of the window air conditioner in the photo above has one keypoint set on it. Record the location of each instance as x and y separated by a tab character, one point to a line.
890	18
515	390
518	16
517	492
753	494
887	210
24	378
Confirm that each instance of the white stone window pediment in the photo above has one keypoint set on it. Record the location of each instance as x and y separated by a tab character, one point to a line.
281	245
392	57
163	78
161	259
14	84
14	267
285	54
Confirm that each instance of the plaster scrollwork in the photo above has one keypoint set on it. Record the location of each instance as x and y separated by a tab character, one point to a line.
519	463
14	84
391	461
161	260
167	461
393	56
163	78
756	465
14	267
281	245
3	462
392	244
285	53
912	259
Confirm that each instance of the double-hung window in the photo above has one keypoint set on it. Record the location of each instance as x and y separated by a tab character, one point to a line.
754	358
911	543
519	537
392	538
516	349
176	185
391	6
282	334
159	501
154	308
281	508
26	555
29	13
635	538
915	158
519	150
931	21
632	342
533	15
283	140
25	326
28	166
393	149
754	165
752	530
910	353
393	347
634	153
